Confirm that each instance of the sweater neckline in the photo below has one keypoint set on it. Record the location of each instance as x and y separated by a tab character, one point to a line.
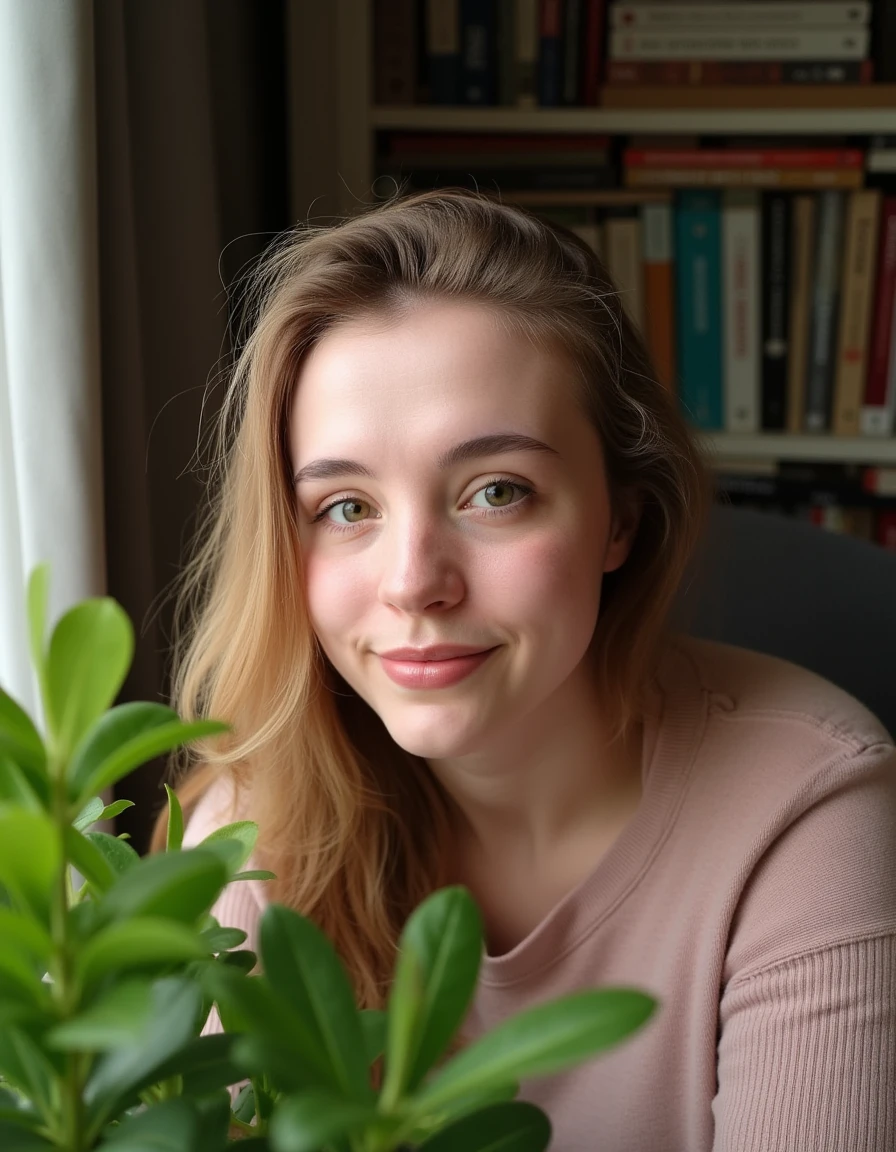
673	729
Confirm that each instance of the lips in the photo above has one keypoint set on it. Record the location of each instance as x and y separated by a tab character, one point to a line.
423	671
435	652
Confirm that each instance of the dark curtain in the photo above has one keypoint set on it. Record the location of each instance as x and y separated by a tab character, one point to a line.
193	162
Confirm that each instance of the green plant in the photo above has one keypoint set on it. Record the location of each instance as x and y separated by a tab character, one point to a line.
106	983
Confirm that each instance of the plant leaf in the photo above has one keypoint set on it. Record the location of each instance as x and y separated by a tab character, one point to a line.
223	939
115	809
206	1064
25	932
118	854
25	1065
539	1042
310	1121
243	832
140	942
15	1137
20	789
175	837
88	860
115	1020
144	746
19	739
373	1021
113	729
303	969
88	815
171	1126
38	594
254	874
90	653
30	859
177	885
516	1126
440	952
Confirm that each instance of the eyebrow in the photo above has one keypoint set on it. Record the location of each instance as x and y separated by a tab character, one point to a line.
494	444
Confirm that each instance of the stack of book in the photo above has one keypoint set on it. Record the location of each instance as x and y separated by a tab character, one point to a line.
764	311
663	42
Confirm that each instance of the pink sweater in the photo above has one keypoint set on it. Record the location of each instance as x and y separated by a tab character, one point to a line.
754	894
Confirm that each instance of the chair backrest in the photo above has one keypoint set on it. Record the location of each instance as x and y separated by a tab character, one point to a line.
788	588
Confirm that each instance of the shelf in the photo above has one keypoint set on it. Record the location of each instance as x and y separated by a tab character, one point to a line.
689	121
784	446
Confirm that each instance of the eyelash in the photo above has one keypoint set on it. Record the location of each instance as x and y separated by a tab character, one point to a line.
489	512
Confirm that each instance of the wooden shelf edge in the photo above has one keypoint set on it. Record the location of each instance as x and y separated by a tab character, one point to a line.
756	97
728	447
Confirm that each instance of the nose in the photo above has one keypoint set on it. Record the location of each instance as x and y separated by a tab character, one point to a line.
421	565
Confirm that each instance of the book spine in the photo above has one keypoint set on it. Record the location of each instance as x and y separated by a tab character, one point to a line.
776	247
506	50
395	51
622	244
443	50
876	418
713	73
885	41
802	265
855	309
526	44
823	330
698	295
737	158
735	43
478	46
740	310
413	143
593	64
550	58
659	289
571	51
793	178
770	14
885	530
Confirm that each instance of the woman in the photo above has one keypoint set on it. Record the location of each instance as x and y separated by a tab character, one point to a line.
433	600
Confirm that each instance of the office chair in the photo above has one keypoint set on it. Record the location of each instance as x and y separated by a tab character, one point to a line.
791	589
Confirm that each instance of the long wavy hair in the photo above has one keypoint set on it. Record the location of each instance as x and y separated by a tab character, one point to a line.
355	828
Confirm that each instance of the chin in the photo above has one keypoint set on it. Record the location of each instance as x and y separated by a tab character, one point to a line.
440	740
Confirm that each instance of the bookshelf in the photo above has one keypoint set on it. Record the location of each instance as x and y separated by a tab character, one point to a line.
335	121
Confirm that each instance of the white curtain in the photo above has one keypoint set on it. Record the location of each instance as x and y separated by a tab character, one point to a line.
51	505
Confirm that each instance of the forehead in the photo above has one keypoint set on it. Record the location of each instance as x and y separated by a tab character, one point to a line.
436	373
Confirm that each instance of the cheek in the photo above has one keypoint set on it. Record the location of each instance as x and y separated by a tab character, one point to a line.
337	593
544	579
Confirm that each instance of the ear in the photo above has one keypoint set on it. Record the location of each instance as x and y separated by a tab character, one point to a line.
623	529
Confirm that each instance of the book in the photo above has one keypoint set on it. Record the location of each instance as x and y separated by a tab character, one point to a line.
593	64
743	158
884	41
395	51
715	177
698	291
885	530
719	72
802	264
622	257
740	310
659	289
823	315
857	284
443	50
526	44
881	155
735	42
879	402
550	48
571	51
776	253
478	52
506	48
764	14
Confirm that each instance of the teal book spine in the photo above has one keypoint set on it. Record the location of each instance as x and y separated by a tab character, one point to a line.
699	307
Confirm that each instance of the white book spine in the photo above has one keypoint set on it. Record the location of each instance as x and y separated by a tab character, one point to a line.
740	311
768	14
656	226
734	43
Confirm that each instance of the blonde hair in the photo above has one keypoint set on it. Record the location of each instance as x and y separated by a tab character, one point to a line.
355	828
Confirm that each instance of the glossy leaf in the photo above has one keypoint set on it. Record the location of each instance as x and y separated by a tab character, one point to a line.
310	1121
254	874
141	942
89	656
27	1067
540	1041
89	814
219	939
37	598
242	832
178	885
19	739
30	859
303	969
175	835
440	953
175	1003
19	978
118	854
373	1022
16	1137
438	1119
25	932
516	1126
113	729
21	789
88	860
115	809
171	1126
115	1020
205	1063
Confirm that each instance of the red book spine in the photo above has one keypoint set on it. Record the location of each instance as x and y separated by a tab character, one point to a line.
595	18
551	19
885	532
881	326
725	158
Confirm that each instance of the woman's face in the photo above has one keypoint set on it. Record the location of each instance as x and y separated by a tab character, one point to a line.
452	492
